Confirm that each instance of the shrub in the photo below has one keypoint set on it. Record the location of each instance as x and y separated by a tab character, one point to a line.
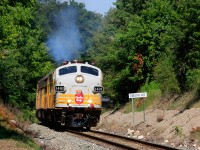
28	116
165	75
193	79
153	93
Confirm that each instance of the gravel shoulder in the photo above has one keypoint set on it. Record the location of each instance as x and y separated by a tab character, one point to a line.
50	139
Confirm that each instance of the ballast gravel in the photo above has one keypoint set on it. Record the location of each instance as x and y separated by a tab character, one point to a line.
50	139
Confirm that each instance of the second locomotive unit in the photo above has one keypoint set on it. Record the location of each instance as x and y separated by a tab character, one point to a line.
70	96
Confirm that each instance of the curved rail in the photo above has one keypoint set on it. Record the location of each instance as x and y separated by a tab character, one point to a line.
123	142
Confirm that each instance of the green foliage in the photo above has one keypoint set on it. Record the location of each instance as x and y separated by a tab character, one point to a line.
132	41
130	6
165	75
153	91
24	58
154	30
188	54
12	79
193	79
28	115
178	130
138	45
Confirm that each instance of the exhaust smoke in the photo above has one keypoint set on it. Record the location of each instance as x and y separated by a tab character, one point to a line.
64	43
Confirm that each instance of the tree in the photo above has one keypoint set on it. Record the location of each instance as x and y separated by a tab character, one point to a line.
147	37
26	58
165	75
188	54
141	32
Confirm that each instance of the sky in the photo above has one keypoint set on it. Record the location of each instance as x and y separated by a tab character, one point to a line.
99	6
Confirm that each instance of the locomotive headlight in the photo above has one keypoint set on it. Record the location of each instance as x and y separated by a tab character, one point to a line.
89	101
90	105
79	79
69	101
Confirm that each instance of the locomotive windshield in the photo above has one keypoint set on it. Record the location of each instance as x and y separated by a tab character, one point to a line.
67	70
89	70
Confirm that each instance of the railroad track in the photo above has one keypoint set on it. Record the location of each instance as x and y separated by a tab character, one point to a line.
121	142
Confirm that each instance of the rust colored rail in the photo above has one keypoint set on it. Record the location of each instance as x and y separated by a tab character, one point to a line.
122	142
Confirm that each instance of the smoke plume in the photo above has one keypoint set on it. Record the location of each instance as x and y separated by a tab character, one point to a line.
64	43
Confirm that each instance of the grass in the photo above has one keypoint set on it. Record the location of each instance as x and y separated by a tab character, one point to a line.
138	105
22	140
155	99
178	130
153	94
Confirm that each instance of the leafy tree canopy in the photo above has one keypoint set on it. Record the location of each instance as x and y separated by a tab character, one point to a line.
138	38
24	58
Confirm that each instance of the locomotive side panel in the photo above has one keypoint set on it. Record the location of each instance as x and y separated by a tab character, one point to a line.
51	92
45	97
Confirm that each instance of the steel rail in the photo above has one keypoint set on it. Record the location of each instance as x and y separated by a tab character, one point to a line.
136	142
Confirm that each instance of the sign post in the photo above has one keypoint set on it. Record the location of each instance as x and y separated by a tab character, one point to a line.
143	109
133	109
137	95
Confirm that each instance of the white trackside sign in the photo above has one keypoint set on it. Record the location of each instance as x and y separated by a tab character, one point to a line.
137	95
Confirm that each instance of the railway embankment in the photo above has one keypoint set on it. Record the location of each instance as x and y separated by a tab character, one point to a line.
169	127
176	129
12	133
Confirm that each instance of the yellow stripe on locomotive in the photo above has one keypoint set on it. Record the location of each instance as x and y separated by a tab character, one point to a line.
68	100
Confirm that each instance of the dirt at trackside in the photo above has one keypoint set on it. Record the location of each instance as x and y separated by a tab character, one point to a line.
171	127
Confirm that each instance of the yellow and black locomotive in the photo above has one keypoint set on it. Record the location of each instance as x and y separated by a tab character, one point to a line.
70	96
